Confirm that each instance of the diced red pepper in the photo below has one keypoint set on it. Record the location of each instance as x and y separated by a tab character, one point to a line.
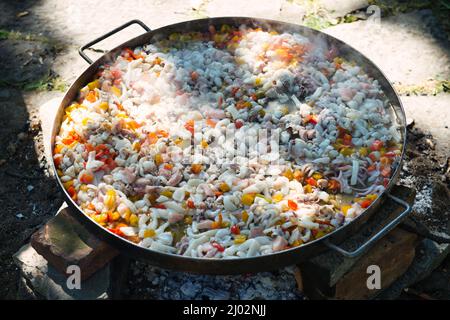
218	247
234	90
86	178
238	124
159	206
131	53
312	118
365	203
333	185
116	231
189	125
117	74
373	156
72	192
235	229
376	145
311	181
190	204
386	171
292	205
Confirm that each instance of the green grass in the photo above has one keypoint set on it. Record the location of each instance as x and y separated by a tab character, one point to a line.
17	35
45	83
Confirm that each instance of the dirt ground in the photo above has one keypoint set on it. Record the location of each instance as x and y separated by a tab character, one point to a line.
29	197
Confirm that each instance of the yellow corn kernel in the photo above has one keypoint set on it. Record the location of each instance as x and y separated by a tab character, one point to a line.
244	216
167	193
338	60
277	197
204	144
317	176
188	220
289	174
58	148
158	159
110	200
85	121
346	151
104	106
371	197
258	81
122	115
116	91
247	199
320	234
296	243
149	233
178	140
224	187
72	107
60	173
363	151
94	84
134	220
136	146
240	238
308	188
101	218
345	208
68	184
84	188
113	216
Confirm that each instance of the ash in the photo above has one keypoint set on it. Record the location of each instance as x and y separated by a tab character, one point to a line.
149	282
424	200
424	197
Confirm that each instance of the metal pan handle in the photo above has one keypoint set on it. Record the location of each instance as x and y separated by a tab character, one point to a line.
106	35
391	225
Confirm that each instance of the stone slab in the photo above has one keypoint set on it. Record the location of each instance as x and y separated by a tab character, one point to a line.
45	281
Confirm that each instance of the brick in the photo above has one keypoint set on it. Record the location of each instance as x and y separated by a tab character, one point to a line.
39	280
63	241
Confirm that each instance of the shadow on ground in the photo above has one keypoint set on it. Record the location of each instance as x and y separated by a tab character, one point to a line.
28	196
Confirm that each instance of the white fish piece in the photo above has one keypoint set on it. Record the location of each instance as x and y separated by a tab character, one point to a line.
230	202
178	195
129	231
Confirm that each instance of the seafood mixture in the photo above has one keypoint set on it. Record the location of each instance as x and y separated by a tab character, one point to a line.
234	142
